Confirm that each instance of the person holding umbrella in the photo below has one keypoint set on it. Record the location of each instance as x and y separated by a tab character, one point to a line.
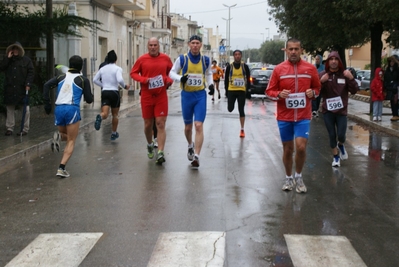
19	75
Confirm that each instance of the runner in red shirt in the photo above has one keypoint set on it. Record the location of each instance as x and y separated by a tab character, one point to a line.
152	71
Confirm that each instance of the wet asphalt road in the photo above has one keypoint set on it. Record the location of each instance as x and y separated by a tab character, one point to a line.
115	189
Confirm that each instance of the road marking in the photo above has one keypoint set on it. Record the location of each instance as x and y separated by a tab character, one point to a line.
189	249
51	250
326	251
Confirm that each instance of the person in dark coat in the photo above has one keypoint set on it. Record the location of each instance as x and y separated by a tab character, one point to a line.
391	83
19	76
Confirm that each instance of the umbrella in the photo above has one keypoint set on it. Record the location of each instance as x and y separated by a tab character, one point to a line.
26	102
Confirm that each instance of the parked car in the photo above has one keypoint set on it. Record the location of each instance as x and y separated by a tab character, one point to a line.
259	80
364	78
252	65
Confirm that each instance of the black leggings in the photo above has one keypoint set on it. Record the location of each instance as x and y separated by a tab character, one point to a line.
336	125
231	99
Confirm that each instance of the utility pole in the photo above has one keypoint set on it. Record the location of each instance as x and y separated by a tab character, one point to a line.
228	40
49	42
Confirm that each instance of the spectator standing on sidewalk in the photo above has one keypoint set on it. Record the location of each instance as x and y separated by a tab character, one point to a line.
316	103
152	71
70	88
391	82
109	78
336	84
236	82
377	94
19	75
294	84
193	70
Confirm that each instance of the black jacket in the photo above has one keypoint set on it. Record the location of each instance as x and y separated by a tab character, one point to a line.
18	74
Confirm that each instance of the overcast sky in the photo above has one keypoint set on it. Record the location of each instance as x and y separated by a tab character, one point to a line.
248	24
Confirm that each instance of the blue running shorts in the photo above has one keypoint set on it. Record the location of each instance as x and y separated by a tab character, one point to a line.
293	129
66	114
193	104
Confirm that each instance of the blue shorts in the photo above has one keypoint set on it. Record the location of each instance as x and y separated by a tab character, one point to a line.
293	129
193	104
66	114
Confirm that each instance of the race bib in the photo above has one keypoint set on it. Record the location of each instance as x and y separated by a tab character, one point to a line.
238	82
213	70
194	80
295	101
341	81
334	103
155	82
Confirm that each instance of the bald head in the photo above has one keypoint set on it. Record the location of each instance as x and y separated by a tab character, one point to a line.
153	46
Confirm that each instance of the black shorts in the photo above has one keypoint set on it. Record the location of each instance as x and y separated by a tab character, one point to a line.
216	81
110	98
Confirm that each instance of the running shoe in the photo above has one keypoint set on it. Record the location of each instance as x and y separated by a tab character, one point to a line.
195	163
288	185
379	118
314	113
62	173
375	118
343	155
190	153
97	123
336	161
242	134
155	142
150	151
55	143
300	186
114	136
160	158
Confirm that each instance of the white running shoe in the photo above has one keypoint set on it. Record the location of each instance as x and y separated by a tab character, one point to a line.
190	153
342	152
289	184
375	118
195	163
300	185
155	143
62	173
55	143
336	162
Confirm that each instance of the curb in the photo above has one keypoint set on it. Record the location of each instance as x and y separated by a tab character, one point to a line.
43	144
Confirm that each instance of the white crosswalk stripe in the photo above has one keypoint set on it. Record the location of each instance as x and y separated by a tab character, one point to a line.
327	251
189	249
52	250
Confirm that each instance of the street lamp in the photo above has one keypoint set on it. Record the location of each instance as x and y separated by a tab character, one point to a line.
268	34
227	32
229	19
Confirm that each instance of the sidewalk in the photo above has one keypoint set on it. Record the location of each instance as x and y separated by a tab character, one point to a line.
14	148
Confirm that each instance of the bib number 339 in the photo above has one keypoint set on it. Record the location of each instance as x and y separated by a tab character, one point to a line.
194	80
297	100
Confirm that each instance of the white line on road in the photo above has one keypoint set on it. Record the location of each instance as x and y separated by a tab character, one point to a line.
52	250
326	251
194	249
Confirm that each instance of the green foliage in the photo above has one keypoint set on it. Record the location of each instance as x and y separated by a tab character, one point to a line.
326	25
28	26
367	67
272	53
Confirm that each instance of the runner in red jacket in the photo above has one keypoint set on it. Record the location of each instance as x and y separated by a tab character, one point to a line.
294	83
152	71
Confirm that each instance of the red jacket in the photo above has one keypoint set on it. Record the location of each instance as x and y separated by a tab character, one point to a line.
377	86
298	78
